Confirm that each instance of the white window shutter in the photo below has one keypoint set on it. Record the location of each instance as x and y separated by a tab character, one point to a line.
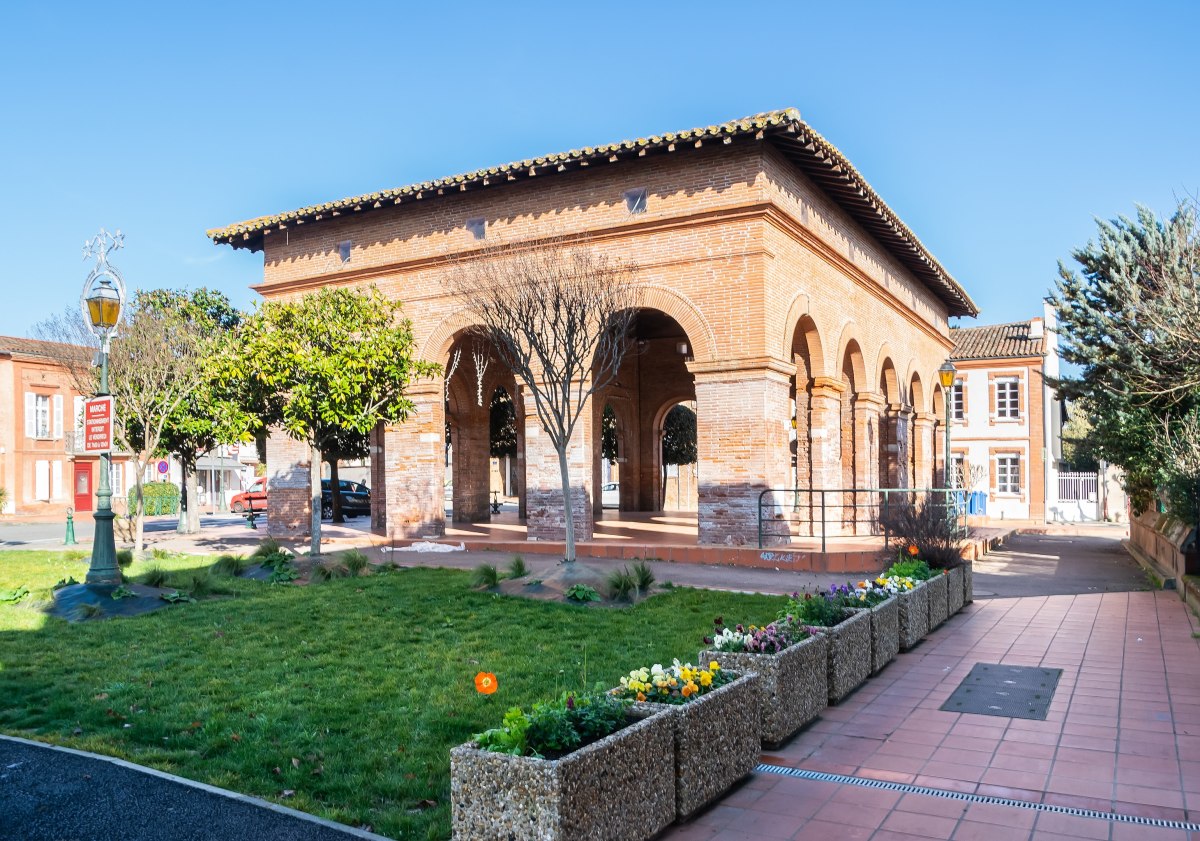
58	416
30	415
56	471
78	408
41	480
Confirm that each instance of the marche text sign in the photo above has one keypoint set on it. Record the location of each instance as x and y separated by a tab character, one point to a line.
98	425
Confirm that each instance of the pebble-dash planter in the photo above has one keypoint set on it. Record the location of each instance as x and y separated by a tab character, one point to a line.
716	743
914	615
885	632
939	610
968	582
621	787
792	684
849	654
954	590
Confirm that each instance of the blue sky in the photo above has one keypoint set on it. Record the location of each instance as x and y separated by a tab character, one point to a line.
996	131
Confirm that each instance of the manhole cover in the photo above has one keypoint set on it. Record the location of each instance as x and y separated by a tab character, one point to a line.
1009	691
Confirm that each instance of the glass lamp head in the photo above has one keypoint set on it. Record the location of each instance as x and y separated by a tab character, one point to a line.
104	305
946	374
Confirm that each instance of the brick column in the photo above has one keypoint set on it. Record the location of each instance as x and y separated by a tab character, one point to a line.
288	486
825	450
743	420
545	518
868	411
413	455
924	451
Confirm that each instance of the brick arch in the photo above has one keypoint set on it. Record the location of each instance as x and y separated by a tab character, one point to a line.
437	346
849	345
889	380
802	329
700	334
916	391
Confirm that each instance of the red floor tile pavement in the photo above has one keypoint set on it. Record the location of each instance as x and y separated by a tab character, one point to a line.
1122	735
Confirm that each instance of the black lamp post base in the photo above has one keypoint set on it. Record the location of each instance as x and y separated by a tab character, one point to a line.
104	570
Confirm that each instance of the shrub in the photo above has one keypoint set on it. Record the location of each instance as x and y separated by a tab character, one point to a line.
643	578
355	561
581	593
930	527
485	577
268	546
124	558
156	576
621	585
806	609
232	565
554	728
517	568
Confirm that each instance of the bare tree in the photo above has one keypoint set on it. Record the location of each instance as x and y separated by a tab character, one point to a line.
559	315
155	365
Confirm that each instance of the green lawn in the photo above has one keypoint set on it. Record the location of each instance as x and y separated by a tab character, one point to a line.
348	693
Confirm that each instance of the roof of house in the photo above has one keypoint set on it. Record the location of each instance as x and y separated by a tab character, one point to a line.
814	155
995	341
10	345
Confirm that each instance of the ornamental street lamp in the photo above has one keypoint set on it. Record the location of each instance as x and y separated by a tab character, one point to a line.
101	300
946	376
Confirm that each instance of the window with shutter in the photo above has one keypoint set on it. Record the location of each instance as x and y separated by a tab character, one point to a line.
41	480
58	416
30	415
56	473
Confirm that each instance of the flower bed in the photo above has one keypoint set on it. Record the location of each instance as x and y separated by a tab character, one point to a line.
938	599
954	590
716	742
792	684
620	787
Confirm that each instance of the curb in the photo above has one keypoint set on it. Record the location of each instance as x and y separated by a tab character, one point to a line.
1151	566
205	787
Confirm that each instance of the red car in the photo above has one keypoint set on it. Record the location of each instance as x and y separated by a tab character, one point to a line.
253	498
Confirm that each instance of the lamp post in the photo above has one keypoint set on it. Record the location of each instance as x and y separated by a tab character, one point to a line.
101	300
946	377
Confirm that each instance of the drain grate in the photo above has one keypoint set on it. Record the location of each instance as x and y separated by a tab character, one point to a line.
905	788
1009	691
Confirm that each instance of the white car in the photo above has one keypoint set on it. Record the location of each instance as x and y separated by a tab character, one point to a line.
610	495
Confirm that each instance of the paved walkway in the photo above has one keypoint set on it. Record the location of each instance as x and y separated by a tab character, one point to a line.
1122	737
1117	758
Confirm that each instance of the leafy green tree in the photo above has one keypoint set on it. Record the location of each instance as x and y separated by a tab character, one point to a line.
503	421
609	437
341	445
332	362
679	441
215	412
1130	318
1078	448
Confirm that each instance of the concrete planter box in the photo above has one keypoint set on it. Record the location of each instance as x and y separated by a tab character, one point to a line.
792	684
885	632
716	744
620	787
968	582
954	590
938	605
914	615
849	654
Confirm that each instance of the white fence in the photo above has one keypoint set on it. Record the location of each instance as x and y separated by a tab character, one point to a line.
1077	487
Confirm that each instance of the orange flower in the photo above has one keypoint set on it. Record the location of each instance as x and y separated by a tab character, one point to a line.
913	550
485	683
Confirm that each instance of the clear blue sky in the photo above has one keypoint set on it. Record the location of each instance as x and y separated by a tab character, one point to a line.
996	131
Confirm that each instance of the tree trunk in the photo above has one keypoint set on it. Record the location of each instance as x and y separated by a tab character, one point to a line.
192	479
314	476
569	556
335	492
139	511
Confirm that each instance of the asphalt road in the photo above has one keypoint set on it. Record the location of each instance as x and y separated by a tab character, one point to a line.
1057	564
49	794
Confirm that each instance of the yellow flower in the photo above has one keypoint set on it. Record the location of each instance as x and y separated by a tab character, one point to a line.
714	666
706	678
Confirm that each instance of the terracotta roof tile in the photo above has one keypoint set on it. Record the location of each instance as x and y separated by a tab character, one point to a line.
805	147
995	341
30	347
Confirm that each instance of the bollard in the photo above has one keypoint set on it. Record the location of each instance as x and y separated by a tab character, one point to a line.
69	540
250	518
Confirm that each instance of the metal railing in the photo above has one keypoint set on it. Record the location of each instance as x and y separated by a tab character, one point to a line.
785	514
1075	487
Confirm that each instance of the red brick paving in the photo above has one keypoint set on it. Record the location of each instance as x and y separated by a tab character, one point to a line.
1122	735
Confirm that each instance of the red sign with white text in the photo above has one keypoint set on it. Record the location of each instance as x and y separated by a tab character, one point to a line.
98	425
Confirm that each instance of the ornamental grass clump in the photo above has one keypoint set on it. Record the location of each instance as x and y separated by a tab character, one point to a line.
552	729
767	639
676	684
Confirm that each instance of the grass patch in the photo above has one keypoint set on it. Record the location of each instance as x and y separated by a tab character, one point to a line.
350	693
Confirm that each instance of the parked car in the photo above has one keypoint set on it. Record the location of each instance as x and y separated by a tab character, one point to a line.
356	498
254	498
610	495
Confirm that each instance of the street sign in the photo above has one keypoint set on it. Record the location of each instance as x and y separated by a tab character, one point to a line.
98	425
163	467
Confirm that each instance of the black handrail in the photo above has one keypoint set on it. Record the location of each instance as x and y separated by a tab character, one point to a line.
953	500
